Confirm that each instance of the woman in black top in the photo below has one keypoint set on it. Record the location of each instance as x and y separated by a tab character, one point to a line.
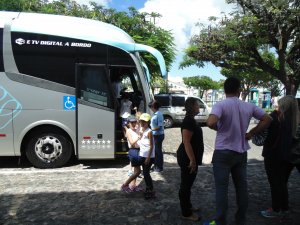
276	152
189	156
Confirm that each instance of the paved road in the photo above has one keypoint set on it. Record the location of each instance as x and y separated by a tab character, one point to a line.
88	196
88	192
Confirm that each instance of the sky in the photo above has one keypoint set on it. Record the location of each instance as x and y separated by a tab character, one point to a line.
180	17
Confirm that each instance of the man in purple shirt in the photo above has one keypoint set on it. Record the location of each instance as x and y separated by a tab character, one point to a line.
231	118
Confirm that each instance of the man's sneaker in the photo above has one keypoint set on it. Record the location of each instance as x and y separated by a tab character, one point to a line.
270	213
126	189
210	223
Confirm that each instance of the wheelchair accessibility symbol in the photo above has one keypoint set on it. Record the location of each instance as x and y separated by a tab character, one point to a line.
69	103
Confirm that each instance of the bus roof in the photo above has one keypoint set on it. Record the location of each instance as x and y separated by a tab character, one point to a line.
66	26
76	27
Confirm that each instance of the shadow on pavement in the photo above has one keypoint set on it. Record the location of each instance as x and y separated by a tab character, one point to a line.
93	197
8	162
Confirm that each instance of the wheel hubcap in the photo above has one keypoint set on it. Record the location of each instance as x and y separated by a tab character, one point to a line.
167	123
48	148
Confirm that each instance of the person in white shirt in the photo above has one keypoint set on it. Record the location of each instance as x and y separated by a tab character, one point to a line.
116	78
132	134
126	106
146	153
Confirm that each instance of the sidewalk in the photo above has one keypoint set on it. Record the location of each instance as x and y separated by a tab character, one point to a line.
93	196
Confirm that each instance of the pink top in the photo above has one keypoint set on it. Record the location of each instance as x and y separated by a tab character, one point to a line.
234	118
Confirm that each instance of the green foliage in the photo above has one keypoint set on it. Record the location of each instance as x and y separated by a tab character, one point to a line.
268	110
203	83
140	26
259	40
160	83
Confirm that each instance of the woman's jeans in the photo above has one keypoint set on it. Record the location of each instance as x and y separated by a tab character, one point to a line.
226	162
159	157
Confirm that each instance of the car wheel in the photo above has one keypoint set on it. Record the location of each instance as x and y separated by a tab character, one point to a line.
168	122
48	149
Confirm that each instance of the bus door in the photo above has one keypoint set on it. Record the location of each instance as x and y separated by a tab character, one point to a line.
95	113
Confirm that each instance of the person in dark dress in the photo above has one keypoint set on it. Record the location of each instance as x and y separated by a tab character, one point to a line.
276	152
189	157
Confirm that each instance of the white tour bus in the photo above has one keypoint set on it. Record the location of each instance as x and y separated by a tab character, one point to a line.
57	95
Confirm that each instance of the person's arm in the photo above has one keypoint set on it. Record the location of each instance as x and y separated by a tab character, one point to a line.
122	107
158	123
154	123
264	123
156	128
150	136
212	121
186	139
131	140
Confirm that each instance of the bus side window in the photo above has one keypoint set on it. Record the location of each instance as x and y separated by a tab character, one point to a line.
94	86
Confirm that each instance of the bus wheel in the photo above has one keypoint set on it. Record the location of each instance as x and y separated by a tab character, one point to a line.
168	122
48	149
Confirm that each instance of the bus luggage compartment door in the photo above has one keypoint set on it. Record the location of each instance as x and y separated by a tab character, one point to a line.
95	133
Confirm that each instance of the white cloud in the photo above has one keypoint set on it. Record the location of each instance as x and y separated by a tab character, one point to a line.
180	16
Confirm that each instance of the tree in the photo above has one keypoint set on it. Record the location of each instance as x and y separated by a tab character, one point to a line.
160	83
249	75
264	35
202	83
274	87
140	26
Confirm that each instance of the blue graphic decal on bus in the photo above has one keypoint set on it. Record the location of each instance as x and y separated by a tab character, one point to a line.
69	103
9	107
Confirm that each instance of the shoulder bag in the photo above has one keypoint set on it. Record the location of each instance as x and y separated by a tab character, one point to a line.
260	138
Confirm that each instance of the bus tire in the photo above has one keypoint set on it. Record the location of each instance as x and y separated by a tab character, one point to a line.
48	149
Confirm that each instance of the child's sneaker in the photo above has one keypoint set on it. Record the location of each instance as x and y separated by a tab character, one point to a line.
130	173
126	189
137	188
270	213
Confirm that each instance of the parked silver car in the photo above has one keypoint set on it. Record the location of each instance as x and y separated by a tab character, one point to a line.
172	107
